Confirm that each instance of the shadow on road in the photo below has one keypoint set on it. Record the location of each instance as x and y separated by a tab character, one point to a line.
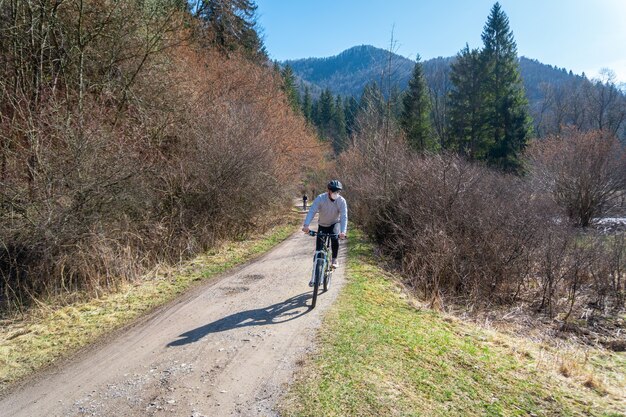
285	311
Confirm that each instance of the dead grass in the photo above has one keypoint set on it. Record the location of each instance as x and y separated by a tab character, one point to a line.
592	382
577	358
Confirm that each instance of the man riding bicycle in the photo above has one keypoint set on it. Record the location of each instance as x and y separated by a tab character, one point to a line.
333	215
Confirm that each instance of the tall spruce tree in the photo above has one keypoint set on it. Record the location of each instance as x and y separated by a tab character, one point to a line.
488	108
339	126
350	109
415	115
508	118
469	128
307	105
232	24
315	113
326	104
289	88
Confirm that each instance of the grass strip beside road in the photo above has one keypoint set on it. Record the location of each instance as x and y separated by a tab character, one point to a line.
379	355
49	333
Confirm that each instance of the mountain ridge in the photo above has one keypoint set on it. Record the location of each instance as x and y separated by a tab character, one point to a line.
349	71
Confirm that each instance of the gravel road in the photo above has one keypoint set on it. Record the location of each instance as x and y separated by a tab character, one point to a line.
229	347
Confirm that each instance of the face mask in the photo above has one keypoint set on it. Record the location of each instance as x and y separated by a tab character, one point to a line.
334	196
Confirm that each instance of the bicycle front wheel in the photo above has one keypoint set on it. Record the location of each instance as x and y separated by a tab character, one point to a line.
319	276
327	276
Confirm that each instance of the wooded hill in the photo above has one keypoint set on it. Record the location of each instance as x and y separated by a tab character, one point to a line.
546	86
348	72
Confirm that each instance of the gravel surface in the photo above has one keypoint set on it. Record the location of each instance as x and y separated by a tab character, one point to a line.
228	348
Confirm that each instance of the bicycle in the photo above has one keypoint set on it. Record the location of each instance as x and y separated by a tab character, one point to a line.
322	270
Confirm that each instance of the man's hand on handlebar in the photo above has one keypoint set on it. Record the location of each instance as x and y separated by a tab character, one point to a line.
342	236
305	229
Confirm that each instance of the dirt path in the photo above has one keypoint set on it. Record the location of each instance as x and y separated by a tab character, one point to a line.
228	348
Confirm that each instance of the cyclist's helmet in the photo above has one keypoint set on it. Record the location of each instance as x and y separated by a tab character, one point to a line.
335	185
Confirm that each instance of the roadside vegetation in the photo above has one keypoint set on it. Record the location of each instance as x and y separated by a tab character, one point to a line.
134	134
59	327
462	233
383	352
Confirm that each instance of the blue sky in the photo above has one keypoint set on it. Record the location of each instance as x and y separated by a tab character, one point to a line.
581	35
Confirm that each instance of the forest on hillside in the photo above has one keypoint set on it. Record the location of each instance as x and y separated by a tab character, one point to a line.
131	134
556	97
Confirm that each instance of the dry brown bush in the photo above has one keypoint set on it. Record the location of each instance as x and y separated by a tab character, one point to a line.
140	146
585	172
461	232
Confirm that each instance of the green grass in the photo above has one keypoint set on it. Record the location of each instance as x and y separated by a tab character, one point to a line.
381	356
49	333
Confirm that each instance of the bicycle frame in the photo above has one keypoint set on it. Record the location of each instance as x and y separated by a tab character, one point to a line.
322	254
321	275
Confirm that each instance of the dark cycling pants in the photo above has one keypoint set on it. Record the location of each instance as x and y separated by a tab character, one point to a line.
334	241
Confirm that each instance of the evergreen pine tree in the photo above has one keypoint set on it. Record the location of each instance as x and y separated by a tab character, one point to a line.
468	116
506	102
315	113
415	116
325	114
233	26
339	126
350	109
307	105
289	87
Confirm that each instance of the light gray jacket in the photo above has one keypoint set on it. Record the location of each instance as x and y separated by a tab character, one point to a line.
331	212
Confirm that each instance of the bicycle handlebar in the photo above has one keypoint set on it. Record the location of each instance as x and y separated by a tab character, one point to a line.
322	234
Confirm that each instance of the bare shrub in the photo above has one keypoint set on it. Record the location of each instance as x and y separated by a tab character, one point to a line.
606	270
77	182
136	145
463	232
488	237
585	172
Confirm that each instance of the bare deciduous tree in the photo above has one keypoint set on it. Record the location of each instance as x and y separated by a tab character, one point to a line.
584	172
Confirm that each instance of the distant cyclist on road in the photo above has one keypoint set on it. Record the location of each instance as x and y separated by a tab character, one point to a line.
333	217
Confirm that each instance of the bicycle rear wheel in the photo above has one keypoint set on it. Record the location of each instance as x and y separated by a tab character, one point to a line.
319	276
